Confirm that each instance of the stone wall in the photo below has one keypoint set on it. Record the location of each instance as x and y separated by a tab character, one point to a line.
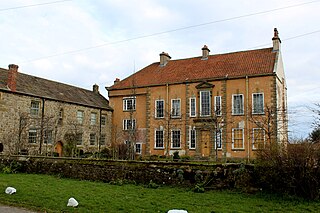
217	176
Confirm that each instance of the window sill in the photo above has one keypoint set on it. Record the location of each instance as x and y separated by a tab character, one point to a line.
258	113
158	118
175	148
158	148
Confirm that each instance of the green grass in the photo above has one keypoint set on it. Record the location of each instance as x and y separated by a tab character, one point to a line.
49	193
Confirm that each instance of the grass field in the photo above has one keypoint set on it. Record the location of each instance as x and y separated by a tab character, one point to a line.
48	193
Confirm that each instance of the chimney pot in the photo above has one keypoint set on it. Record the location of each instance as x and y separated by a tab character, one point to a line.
164	59
12	77
95	88
205	52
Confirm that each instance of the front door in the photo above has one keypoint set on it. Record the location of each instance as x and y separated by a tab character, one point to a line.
205	143
59	148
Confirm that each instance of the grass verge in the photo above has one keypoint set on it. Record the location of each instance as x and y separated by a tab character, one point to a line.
48	193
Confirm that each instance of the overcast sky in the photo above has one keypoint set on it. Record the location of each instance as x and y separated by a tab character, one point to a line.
83	42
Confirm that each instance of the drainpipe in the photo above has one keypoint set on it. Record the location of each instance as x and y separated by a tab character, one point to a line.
99	139
247	118
168	119
41	130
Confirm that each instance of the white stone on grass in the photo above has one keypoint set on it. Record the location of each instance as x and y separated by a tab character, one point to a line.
72	202
177	211
10	190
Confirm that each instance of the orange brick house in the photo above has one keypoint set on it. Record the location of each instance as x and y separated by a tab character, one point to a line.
212	106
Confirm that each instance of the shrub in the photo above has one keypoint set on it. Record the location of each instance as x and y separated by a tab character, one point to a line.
293	171
176	156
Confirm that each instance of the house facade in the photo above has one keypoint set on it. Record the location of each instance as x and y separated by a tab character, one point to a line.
42	117
213	106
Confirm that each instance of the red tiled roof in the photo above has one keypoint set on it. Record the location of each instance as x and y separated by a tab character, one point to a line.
251	62
39	87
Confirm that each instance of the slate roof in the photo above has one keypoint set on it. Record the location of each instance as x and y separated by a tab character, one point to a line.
236	64
39	87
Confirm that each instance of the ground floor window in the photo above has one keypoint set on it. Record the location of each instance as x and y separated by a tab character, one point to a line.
48	136
32	138
218	139
79	138
175	139
258	138
159	139
237	138
92	139
103	139
192	136
138	148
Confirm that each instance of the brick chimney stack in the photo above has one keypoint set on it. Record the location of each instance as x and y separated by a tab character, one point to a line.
12	77
164	59
205	52
116	81
276	40
95	89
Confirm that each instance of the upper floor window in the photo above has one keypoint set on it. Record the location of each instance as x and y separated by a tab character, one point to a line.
60	116
175	138
192	138
159	138
237	104
257	103
205	103
258	138
32	137
80	115
193	109
93	118
237	138
129	124
175	108
217	105
103	120
35	106
92	139
129	104
159	111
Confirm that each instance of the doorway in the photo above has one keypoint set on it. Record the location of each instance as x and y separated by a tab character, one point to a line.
59	148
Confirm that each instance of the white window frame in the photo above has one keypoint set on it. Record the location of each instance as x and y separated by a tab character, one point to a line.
139	152
193	107
32	136
156	108
217	107
34	108
176	113
172	139
126	101
241	108
201	102
219	137
253	104
129	124
155	139
93	118
92	139
80	116
233	139
192	129
253	139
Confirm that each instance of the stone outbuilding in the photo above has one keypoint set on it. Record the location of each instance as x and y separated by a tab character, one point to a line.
40	116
